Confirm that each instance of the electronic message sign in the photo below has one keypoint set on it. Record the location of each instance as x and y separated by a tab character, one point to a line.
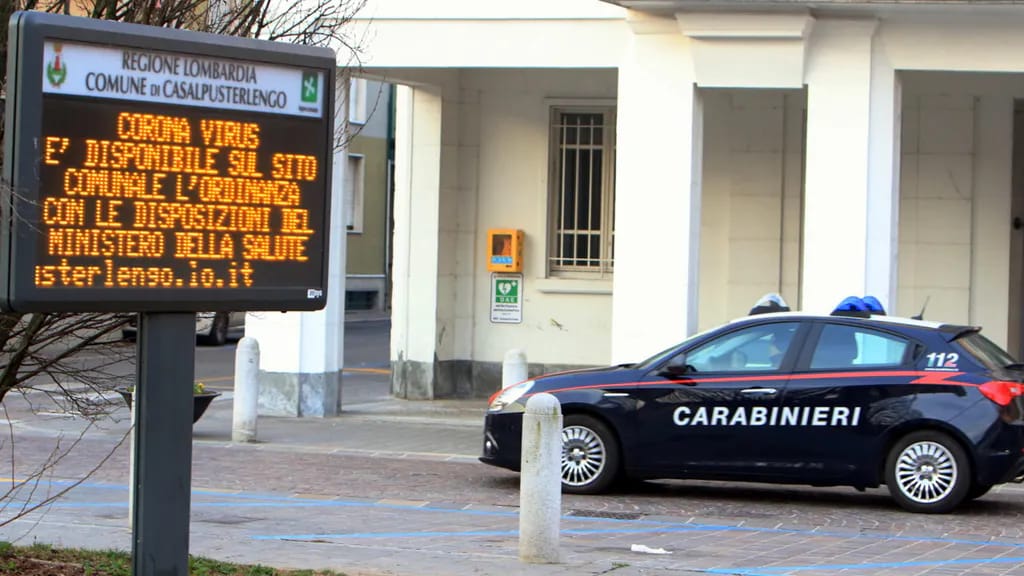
163	170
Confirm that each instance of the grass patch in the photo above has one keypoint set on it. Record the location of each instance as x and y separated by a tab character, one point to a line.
46	560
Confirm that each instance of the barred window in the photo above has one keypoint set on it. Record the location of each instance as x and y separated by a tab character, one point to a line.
582	190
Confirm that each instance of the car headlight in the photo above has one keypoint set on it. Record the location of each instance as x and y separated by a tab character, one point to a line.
509	395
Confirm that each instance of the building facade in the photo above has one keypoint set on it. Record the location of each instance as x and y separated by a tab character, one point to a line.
368	195
670	161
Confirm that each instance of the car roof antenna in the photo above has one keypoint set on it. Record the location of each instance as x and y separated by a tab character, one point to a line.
920	315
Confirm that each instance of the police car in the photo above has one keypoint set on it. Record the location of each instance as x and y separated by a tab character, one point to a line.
857	398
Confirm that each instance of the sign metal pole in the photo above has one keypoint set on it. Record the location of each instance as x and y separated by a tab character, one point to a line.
162	479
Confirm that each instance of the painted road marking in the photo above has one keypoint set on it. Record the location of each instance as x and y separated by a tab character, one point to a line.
779	570
367	370
384	371
615	526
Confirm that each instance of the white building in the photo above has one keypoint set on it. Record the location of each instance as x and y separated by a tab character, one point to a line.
670	161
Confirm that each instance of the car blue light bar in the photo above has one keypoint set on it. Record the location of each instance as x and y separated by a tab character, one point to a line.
873	305
857	306
851	304
770	302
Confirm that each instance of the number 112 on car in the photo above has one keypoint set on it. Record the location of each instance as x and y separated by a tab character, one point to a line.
943	360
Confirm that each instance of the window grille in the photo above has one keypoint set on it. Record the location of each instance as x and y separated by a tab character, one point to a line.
582	190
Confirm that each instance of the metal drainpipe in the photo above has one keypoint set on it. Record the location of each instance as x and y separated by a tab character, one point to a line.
389	197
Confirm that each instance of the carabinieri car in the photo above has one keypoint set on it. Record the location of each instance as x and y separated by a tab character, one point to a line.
856	398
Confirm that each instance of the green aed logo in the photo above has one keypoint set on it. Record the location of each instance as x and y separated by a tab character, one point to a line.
506	292
310	86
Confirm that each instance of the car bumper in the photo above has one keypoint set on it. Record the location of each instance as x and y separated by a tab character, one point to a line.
1002	460
503	439
204	321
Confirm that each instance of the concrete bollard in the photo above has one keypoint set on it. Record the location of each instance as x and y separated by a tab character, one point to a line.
514	368
540	483
247	374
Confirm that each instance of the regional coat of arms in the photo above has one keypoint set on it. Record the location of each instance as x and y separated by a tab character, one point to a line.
56	70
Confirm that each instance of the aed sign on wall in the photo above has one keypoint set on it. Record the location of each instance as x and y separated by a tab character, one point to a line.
163	170
506	298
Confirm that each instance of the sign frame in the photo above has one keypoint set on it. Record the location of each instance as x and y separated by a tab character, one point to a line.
20	211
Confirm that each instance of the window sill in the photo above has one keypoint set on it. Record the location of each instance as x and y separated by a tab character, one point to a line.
572	286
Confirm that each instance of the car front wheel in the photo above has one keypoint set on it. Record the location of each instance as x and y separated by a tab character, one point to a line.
590	455
927	471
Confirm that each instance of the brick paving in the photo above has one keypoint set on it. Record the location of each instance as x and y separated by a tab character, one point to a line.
394	488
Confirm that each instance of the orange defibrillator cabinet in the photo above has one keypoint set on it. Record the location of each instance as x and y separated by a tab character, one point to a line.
504	250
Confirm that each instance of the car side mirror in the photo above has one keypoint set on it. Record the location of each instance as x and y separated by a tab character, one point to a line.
676	368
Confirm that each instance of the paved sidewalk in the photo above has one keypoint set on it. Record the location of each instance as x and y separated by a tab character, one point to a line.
441	430
366	315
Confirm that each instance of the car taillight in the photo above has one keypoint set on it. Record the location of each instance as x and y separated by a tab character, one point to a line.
1001	392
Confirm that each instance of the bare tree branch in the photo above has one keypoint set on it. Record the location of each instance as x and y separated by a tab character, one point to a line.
21	494
75	360
40	349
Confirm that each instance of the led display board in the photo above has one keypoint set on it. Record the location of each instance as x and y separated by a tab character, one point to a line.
163	170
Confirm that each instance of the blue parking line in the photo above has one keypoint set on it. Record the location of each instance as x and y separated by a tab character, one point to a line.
658	528
616	526
255	499
33	482
568	531
782	570
363	535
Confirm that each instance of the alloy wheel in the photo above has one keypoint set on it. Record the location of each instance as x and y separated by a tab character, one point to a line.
583	455
926	472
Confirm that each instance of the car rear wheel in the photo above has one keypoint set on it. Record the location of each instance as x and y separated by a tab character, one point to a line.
927	471
590	455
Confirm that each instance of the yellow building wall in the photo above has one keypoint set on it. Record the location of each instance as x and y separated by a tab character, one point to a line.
366	249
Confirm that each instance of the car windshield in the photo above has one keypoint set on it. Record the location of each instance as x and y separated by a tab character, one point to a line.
984	351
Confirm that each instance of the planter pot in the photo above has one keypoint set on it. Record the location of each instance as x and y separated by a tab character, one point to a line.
200	402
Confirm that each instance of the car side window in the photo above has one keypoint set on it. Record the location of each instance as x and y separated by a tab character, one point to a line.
842	346
755	349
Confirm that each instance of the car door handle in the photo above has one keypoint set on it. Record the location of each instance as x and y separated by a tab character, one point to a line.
759	391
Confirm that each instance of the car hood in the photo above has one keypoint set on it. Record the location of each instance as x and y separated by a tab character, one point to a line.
590	376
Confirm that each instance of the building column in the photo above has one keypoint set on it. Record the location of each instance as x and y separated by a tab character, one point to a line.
991	231
657	193
302	353
851	188
414	303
